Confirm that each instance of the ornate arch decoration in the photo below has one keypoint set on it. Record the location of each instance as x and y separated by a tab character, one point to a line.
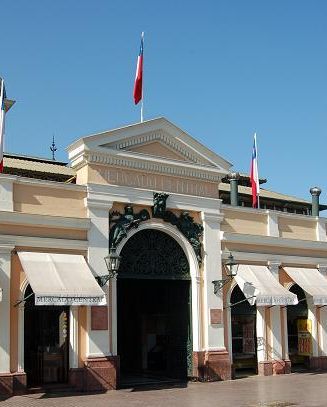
122	224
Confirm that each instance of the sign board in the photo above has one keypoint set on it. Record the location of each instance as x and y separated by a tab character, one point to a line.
68	301
304	330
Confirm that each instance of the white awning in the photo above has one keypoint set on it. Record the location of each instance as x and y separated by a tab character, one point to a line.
312	281
261	287
0	294
61	279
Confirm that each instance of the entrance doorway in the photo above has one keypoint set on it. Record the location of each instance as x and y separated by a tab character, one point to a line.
299	331
244	344
45	343
153	310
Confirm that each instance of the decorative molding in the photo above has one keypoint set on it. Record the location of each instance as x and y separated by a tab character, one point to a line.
41	242
139	196
151	164
60	222
263	259
273	241
138	130
157	135
279	214
48	184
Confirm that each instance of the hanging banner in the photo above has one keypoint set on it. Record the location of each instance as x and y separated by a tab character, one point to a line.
304	330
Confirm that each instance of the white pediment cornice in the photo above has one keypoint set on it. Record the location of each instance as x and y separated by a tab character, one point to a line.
135	147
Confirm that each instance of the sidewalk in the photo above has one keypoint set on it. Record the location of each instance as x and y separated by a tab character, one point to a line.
297	389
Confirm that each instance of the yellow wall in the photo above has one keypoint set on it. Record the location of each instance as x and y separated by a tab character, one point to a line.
297	228
49	201
244	222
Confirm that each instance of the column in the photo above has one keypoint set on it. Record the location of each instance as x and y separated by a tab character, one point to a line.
276	337
322	326
217	361
73	337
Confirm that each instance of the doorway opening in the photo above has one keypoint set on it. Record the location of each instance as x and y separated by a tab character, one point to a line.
45	343
244	343
299	331
153	310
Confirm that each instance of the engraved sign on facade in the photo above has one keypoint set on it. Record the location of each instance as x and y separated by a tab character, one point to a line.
159	182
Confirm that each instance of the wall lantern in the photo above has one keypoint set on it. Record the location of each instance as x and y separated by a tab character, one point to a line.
231	272
112	262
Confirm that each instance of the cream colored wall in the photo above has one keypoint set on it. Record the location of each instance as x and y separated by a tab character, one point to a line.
82	175
249	223
304	229
49	201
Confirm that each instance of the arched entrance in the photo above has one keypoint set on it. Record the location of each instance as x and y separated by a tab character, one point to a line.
299	331
153	309
45	342
243	324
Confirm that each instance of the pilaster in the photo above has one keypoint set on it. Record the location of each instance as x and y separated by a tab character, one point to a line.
321	234
276	329
98	343
5	269
272	224
6	193
212	270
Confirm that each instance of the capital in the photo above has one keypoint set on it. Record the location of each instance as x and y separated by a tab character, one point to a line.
315	191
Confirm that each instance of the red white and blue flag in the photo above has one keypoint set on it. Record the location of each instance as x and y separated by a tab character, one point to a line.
2	120
254	176
138	90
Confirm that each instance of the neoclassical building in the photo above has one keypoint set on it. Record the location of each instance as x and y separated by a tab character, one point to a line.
179	306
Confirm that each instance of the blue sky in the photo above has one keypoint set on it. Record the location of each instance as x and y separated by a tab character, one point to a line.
220	70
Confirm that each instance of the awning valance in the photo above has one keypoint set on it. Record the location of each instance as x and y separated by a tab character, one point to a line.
261	287
311	281
61	279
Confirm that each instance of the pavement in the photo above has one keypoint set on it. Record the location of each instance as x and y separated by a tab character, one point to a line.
293	390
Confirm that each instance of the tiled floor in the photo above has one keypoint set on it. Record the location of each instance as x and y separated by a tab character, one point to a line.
298	389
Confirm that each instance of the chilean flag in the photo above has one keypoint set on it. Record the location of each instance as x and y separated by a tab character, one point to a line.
2	120
139	75
254	177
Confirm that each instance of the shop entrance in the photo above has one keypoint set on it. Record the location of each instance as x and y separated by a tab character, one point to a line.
45	343
153	314
299	331
244	346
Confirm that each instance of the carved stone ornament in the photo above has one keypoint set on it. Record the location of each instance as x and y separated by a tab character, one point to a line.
122	223
184	223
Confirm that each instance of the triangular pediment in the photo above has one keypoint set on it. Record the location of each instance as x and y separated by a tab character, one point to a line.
157	142
157	149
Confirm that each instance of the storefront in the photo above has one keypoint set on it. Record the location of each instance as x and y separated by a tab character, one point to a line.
156	197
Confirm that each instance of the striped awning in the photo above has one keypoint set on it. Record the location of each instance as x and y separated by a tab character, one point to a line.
311	281
260	287
61	279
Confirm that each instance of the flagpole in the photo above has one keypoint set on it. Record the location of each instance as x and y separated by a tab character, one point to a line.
142	35
258	193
